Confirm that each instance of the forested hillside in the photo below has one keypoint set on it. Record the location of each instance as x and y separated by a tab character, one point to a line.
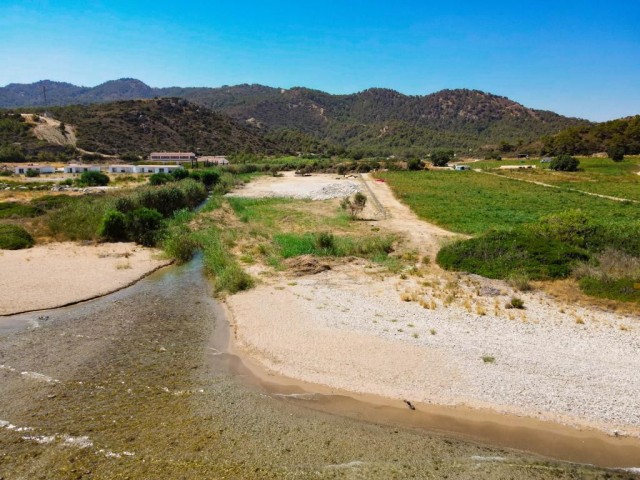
373	122
622	136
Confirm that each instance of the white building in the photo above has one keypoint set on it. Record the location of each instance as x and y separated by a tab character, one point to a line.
172	157
157	168
76	168
122	169
214	160
42	169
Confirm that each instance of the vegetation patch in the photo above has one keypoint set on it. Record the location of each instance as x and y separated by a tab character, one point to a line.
18	210
14	237
327	245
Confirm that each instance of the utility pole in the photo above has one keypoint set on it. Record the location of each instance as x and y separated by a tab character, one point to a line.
46	106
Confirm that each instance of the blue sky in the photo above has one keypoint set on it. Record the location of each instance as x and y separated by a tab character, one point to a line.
578	58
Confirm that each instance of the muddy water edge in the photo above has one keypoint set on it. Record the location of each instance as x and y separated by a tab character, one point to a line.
131	386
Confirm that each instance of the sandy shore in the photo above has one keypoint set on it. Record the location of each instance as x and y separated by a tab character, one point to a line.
57	274
444	339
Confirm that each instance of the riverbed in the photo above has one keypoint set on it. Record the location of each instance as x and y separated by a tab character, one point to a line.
139	384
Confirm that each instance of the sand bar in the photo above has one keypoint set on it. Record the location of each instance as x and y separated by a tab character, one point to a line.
56	274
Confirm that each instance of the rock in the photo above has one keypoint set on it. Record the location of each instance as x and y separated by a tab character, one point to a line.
306	265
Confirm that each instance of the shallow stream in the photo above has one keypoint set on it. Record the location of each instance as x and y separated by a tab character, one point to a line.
141	383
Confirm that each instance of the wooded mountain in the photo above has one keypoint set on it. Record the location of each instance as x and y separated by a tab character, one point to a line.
375	121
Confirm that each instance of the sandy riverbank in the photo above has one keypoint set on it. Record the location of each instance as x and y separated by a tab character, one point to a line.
56	274
445	339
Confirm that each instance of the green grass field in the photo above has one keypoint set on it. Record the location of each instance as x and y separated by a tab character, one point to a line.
597	175
472	202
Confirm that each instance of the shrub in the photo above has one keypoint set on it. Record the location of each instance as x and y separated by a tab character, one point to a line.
440	158
31	172
18	210
166	199
326	241
355	206
14	237
160	179
616	152
195	192
497	254
93	179
515	302
144	225
572	227
564	163
180	174
415	164
209	178
520	281
124	204
114	226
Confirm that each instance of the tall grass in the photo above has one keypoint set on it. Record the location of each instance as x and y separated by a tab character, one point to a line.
79	219
220	263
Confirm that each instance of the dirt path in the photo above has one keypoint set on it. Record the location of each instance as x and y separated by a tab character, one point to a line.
425	237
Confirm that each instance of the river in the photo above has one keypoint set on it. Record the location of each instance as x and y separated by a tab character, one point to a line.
140	384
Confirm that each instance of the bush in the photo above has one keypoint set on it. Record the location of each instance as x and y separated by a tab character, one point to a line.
326	241
440	158
415	164
114	226
209	178
564	163
160	179
180	174
516	302
166	199
125	204
497	254
144	226
94	179
195	192
616	153
14	237
31	172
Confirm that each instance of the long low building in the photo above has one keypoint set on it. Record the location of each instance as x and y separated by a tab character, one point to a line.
80	168
42	169
172	157
214	160
144	168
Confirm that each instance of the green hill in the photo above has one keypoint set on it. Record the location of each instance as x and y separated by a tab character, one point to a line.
375	121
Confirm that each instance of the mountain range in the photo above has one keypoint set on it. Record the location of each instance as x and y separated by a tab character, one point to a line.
375	121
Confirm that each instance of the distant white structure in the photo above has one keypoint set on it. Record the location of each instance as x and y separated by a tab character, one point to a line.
214	160
461	167
122	169
157	168
172	157
42	169
78	168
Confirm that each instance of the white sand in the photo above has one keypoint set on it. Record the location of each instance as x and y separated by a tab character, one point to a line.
314	187
349	329
56	274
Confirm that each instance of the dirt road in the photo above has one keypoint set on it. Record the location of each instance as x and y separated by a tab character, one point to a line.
425	237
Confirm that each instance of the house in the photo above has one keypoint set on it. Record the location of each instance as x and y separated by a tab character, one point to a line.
122	169
172	157
213	160
76	168
157	168
42	169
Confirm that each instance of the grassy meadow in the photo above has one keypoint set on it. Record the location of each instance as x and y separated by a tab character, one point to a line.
525	231
597	175
471	202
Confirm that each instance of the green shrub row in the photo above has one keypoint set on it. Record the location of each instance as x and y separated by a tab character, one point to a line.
14	237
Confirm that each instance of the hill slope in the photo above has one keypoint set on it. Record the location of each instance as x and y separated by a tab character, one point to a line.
142	126
375	120
588	139
136	127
